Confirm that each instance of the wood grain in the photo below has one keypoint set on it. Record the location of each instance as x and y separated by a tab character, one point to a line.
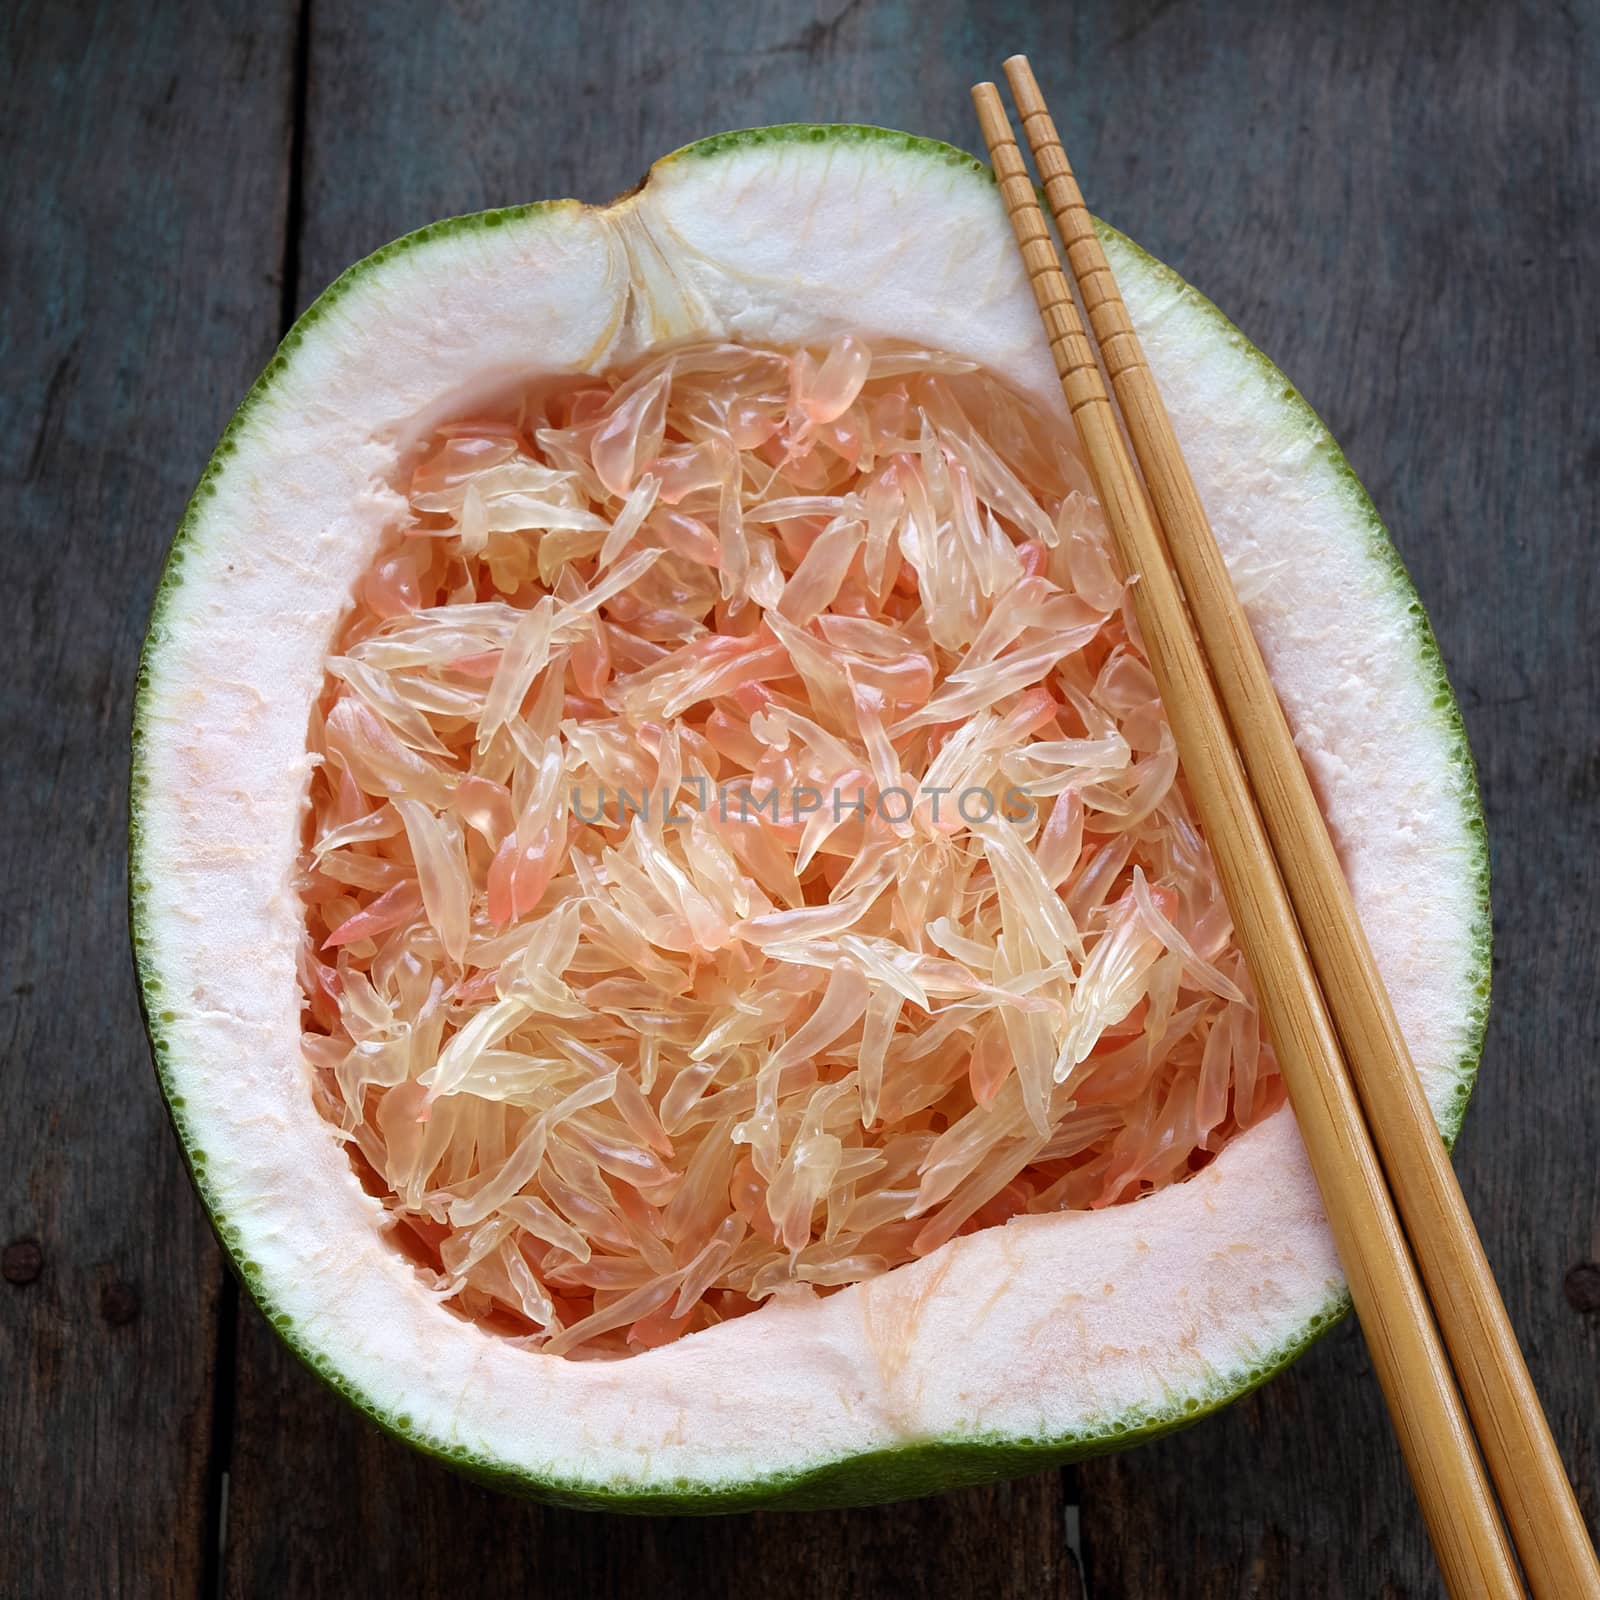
323	1504
1397	160
392	142
1529	1477
143	204
1274	149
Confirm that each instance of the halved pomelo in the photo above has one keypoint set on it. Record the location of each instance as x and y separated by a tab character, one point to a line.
1057	1334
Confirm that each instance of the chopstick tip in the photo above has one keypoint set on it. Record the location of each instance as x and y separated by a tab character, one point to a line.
990	107
1024	86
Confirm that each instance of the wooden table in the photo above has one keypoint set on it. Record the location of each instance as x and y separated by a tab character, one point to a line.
1396	202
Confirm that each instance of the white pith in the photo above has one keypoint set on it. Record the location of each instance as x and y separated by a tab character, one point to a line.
1047	1327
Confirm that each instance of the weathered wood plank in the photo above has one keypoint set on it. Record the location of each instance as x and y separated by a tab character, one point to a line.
1285	160
416	112
1392	201
142	192
323	1504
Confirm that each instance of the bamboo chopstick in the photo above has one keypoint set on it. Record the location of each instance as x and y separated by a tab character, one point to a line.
1406	1352
1546	1524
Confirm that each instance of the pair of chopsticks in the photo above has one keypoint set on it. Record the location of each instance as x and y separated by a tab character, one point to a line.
1344	1062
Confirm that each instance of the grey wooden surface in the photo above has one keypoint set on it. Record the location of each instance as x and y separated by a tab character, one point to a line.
1397	203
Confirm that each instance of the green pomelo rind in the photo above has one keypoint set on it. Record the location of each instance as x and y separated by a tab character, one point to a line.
924	1466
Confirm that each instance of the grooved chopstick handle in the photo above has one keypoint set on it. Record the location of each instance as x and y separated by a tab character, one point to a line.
1113	330
1406	1353
1069	344
1540	1507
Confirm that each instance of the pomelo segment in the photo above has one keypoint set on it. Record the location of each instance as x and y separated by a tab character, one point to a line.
1047	1337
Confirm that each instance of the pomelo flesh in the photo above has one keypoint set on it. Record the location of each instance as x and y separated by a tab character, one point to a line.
1053	1335
698	916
